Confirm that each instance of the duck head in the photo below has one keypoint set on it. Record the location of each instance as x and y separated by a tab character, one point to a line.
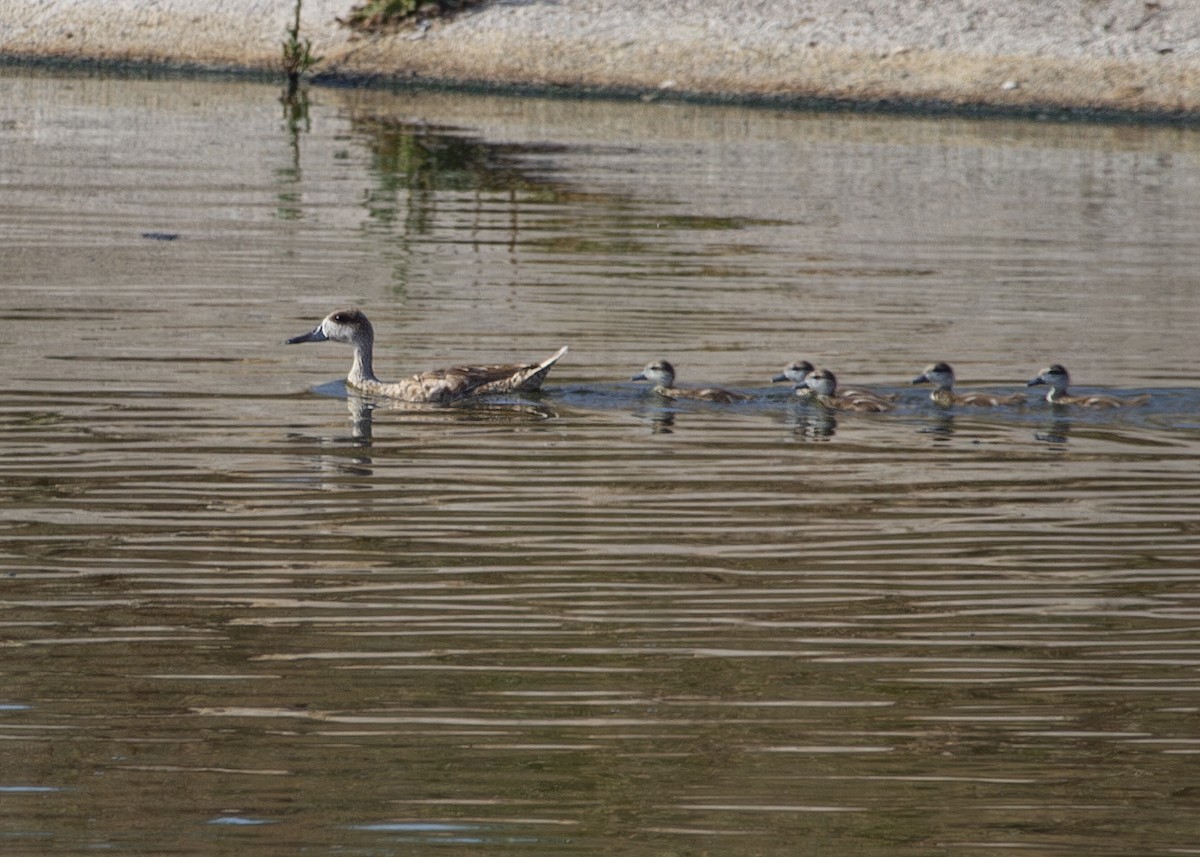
797	372
345	325
660	373
1056	376
939	374
822	382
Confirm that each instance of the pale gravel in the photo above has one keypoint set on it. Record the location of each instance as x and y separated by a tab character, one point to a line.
1107	55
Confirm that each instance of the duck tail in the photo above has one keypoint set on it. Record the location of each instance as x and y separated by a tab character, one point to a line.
530	378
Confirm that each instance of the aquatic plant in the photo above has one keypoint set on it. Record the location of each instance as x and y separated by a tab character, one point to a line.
297	55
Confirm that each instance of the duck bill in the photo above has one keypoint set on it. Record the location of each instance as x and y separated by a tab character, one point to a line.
317	335
640	376
921	379
1035	382
780	377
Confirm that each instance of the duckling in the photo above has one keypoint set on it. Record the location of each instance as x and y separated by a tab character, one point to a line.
662	375
824	387
1058	379
799	372
439	386
943	376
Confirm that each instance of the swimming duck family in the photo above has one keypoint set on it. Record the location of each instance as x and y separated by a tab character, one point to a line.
1058	379
440	386
941	375
661	374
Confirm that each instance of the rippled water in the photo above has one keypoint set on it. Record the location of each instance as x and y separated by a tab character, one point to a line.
244	612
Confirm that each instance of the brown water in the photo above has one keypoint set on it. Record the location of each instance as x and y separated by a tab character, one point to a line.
245	613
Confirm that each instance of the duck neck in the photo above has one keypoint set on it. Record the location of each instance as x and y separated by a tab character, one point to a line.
361	371
943	396
1057	394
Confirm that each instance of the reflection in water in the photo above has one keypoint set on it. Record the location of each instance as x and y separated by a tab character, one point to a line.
661	419
940	423
290	178
508	408
1057	432
361	415
814	422
414	162
235	623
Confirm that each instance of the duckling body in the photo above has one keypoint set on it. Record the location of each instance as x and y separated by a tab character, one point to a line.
661	374
1058	379
941	375
799	372
439	386
825	390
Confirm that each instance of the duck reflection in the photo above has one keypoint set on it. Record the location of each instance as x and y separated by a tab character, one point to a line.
361	417
940	425
1055	434
661	420
814	424
350	455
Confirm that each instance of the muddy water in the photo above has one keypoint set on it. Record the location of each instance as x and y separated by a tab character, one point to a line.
244	611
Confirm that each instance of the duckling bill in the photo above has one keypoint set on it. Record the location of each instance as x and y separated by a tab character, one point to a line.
440	386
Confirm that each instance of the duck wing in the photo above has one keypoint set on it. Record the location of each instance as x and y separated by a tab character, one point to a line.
1100	401
459	382
978	397
705	394
863	393
869	405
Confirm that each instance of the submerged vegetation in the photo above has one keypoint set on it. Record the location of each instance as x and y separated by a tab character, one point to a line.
380	14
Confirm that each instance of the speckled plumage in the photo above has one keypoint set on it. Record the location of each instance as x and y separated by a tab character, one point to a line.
439	386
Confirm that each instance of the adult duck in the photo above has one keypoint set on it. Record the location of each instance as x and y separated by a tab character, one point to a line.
440	386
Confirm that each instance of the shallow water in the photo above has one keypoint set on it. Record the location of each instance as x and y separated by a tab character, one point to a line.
245	612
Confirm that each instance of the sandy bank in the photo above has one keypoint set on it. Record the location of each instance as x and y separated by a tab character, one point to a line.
1105	55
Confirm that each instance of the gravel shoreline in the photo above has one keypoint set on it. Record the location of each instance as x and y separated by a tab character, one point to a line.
1118	58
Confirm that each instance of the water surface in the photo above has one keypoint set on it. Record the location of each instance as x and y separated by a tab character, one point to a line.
244	611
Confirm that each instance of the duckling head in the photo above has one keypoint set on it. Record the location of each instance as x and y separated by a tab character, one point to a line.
797	372
822	382
660	373
345	325
1055	375
937	373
